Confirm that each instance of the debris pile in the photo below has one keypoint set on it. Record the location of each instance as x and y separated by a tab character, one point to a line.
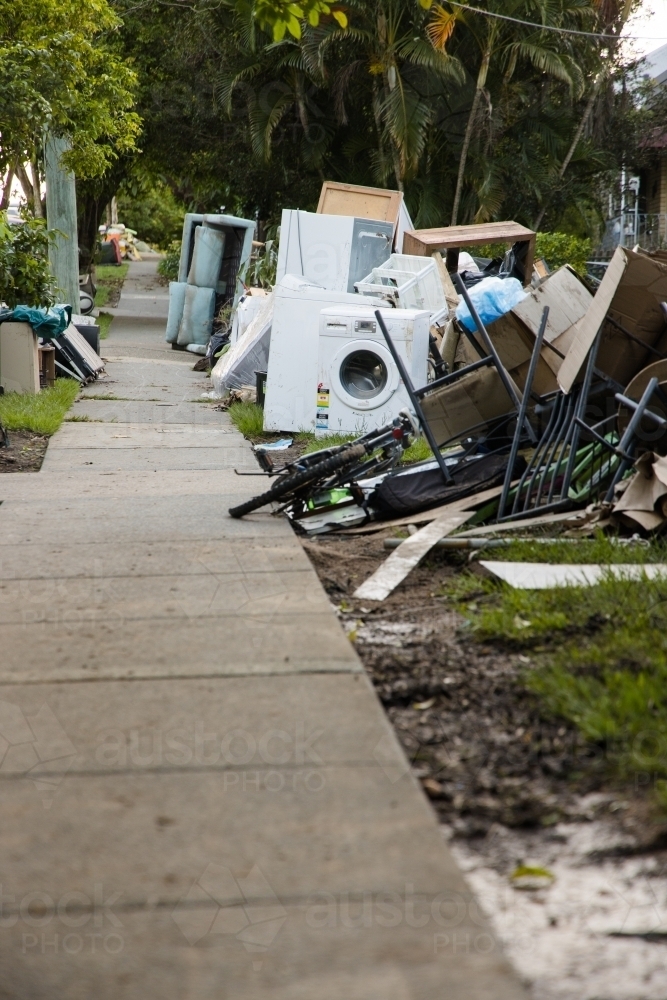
537	398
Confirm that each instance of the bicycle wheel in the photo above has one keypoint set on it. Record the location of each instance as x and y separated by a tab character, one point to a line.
290	483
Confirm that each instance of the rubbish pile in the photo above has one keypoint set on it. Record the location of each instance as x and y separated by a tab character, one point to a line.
539	395
118	243
39	345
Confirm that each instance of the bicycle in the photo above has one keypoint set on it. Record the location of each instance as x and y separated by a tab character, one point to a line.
371	454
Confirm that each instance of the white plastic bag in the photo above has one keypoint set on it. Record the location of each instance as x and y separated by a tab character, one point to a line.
249	354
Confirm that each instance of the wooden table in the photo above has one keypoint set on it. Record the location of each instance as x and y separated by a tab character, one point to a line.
424	242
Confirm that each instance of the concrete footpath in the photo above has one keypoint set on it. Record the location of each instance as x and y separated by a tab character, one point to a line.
201	796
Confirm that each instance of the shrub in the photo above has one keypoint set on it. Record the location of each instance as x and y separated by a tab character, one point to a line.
168	266
25	278
561	248
154	214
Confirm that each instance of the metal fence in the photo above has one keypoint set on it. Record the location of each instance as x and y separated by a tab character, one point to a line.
630	228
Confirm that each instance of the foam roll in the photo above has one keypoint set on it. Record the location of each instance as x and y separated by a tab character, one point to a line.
177	291
197	317
207	257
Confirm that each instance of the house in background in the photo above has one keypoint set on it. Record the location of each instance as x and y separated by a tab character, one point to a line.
654	179
638	209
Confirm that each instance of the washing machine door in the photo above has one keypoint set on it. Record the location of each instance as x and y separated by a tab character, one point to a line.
364	374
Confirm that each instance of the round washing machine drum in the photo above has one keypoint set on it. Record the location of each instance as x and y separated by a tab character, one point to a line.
363	374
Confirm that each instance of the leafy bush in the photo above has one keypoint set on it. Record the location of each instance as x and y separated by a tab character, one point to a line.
25	278
155	214
262	272
168	266
561	248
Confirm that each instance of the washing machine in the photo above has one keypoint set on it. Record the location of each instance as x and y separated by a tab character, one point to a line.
291	383
359	387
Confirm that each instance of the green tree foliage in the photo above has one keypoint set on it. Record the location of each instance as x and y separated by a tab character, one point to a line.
25	278
58	70
474	118
152	212
562	248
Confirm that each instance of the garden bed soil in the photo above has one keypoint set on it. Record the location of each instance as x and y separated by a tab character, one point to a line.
477	739
25	452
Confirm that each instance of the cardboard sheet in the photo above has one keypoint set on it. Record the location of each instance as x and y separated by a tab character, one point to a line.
632	290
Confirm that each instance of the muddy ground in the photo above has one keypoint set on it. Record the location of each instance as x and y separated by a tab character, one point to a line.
25	452
512	785
477	738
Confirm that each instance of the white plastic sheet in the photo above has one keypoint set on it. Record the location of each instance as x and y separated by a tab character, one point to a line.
249	354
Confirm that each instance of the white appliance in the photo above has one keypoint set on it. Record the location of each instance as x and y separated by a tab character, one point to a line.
359	387
333	251
291	385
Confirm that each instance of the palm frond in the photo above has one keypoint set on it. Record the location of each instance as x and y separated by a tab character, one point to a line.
406	117
419	53
441	27
264	121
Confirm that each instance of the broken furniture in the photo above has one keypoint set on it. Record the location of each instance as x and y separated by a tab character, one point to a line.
333	251
424	242
19	358
366	203
215	251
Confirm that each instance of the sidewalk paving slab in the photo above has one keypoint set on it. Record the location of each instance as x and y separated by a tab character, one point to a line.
131	600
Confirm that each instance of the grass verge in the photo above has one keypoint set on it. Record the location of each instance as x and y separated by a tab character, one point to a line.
109	280
104	321
248	418
596	656
42	413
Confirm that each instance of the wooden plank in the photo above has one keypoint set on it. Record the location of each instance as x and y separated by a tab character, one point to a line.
422	242
360	202
540	576
404	559
526	522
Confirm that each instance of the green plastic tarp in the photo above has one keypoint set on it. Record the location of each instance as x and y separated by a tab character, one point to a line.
47	323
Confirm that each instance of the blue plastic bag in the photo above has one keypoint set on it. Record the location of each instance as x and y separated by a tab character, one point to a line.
46	323
492	298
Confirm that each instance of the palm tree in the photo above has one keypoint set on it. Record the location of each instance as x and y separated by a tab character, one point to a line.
385	41
505	43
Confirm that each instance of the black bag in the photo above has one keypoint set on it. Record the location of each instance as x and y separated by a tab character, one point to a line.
409	493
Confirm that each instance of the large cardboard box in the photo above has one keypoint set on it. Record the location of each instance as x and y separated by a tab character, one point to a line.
19	358
631	291
473	401
514	333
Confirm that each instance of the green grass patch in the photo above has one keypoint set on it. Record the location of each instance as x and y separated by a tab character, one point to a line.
419	451
109	280
42	413
327	441
104	321
248	418
105	273
596	656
